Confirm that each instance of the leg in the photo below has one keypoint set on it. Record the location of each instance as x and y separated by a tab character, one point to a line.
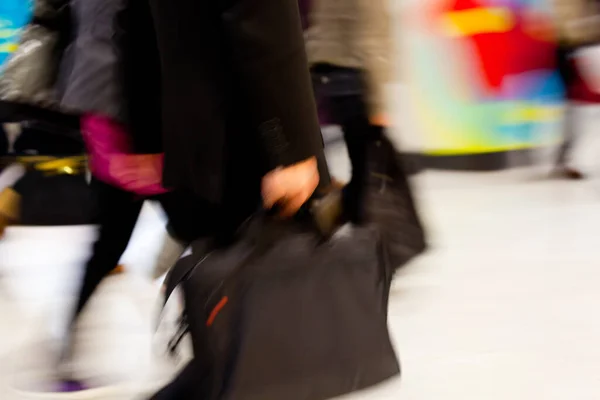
352	113
568	75
568	138
118	213
565	150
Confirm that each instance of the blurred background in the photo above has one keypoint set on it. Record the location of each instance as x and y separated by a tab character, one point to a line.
485	95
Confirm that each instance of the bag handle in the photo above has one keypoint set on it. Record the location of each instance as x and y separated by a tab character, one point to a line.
321	214
324	212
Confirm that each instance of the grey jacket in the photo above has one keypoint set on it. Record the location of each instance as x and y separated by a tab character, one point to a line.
354	34
113	68
90	70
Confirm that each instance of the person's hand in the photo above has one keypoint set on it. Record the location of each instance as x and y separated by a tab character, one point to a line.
136	172
290	187
379	120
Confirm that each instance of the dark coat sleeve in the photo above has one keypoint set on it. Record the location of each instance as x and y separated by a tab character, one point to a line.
270	59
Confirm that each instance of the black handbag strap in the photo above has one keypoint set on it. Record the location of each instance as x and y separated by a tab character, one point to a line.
177	276
263	228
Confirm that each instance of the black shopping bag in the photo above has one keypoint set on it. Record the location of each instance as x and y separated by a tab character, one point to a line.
389	203
286	313
379	193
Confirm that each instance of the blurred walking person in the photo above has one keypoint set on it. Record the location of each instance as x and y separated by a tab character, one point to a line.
240	121
350	51
116	89
578	27
96	62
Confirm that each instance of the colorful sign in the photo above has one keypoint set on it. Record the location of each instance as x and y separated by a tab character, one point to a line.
482	75
14	15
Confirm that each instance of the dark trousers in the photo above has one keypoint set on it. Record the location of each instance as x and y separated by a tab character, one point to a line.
569	136
352	113
344	91
567	74
118	211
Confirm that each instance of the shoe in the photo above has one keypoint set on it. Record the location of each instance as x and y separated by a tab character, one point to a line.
565	172
70	386
119	269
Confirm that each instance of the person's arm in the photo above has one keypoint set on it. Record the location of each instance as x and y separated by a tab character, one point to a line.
267	45
269	56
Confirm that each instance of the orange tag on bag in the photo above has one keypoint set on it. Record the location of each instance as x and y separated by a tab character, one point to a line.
215	311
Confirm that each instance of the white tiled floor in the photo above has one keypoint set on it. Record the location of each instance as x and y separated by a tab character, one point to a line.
504	306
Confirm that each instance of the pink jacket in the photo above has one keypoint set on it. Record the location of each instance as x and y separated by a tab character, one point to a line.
112	162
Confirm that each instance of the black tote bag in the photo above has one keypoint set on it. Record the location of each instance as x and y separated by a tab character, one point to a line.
379	193
389	203
286	313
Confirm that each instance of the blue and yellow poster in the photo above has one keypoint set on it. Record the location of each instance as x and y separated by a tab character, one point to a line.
14	15
482	75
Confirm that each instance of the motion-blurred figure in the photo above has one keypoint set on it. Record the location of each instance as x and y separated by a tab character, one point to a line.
106	85
350	51
240	121
578	26
86	59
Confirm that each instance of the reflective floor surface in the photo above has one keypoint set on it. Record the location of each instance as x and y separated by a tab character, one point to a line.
503	307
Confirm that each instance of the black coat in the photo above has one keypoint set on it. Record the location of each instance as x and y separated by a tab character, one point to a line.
237	96
236	92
